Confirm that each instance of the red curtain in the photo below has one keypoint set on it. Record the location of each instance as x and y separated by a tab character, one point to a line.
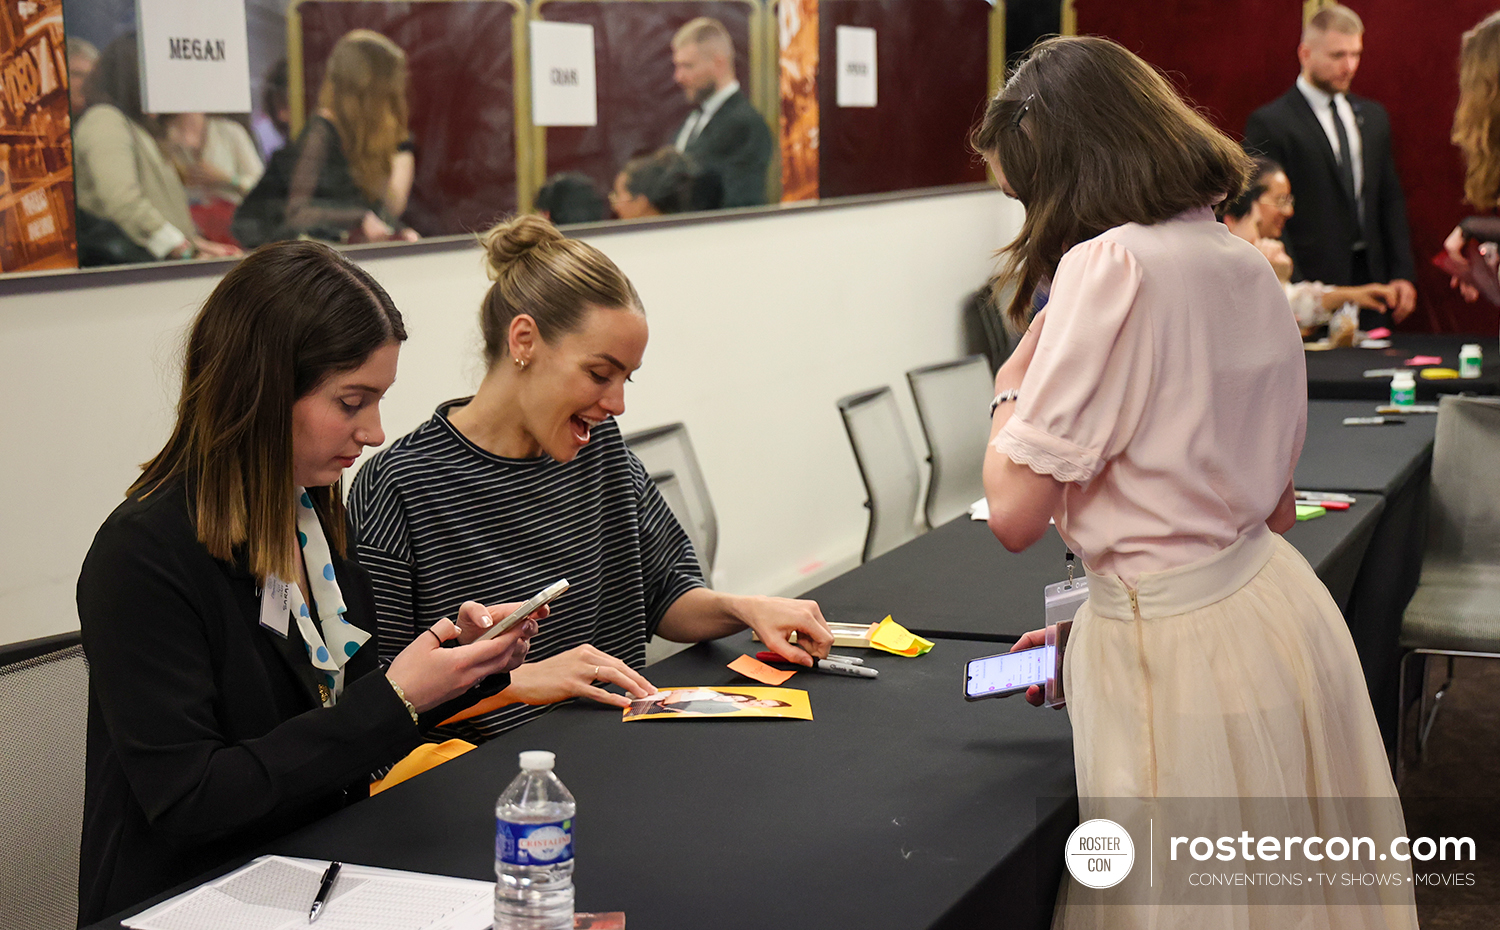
1231	56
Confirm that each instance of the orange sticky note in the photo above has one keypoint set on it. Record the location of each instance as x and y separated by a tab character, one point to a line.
751	667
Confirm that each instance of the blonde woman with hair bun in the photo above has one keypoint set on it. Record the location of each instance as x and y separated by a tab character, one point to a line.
529	481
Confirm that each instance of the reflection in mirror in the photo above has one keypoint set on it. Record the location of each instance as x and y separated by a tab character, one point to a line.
396	119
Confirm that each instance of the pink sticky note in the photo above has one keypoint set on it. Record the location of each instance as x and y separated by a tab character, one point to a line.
1378	333
751	667
1421	360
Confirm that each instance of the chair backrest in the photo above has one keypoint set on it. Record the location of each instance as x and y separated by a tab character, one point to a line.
1465	523
887	465
668	449
952	404
43	725
670	488
984	324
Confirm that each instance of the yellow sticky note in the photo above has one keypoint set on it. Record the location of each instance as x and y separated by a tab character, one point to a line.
894	638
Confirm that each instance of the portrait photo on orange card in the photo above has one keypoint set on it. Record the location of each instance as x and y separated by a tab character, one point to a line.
721	702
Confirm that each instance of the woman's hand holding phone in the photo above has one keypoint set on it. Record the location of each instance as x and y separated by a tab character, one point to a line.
429	674
1034	694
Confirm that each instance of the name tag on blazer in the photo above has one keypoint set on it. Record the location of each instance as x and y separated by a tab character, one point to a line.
276	606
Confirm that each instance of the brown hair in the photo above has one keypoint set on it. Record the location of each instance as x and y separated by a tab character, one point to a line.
1090	137
1476	129
547	276
116	81
285	318
365	90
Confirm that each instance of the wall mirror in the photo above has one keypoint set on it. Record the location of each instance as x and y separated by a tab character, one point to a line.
406	120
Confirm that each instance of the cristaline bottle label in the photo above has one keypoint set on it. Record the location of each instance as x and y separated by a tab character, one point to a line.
534	843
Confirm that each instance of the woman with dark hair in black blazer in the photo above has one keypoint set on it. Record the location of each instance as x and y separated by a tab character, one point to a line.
235	691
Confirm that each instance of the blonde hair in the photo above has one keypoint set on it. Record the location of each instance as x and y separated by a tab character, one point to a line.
1334	17
705	30
365	90
1476	131
547	276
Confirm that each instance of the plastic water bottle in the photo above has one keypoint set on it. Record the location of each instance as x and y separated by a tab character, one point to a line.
534	849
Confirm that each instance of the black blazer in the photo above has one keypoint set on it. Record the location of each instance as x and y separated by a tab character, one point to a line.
1320	237
735	145
206	735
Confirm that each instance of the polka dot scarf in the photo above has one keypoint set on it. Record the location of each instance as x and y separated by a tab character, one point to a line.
332	640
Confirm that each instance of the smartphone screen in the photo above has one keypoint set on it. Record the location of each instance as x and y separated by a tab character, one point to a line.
997	676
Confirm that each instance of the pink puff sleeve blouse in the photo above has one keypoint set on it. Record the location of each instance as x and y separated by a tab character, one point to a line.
1168	391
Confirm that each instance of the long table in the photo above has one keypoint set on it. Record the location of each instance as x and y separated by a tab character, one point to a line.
958	581
1339	373
898	806
1396	463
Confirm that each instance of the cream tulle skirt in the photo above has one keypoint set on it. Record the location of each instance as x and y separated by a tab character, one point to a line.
1235	679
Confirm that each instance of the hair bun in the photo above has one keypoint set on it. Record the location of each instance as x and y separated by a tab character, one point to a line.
508	242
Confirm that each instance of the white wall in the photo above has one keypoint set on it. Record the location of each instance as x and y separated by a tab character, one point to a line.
757	327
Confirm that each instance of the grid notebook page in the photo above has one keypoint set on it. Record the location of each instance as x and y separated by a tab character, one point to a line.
274	893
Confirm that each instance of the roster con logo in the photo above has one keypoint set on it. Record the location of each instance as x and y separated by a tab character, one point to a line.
1100	854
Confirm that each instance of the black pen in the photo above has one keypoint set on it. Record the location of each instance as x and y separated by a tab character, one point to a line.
325	886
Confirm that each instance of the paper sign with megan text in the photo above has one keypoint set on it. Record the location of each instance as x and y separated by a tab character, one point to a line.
194	56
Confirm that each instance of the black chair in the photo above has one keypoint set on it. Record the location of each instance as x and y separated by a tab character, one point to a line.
44	686
887	465
953	407
667	451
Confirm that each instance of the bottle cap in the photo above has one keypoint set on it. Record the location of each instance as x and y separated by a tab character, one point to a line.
537	760
1470	347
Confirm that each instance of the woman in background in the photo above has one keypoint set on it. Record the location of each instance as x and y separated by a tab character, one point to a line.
351	173
123	174
1155	409
234	694
1476	132
529	481
662	183
1259	209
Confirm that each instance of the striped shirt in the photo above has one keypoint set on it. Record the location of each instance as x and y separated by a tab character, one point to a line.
441	521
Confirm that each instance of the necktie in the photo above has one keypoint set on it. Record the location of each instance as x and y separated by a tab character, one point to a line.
1346	164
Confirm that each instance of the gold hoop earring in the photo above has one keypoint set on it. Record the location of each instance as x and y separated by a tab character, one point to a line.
520	364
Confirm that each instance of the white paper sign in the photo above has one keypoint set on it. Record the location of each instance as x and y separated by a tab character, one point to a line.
856	64
562	75
194	57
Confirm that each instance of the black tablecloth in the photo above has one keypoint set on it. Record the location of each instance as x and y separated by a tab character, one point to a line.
1395	462
899	806
958	581
1339	373
1370	459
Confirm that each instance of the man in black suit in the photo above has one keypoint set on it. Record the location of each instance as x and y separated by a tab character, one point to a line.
724	134
1349	227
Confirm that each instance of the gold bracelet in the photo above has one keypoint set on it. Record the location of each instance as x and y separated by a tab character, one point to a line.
410	708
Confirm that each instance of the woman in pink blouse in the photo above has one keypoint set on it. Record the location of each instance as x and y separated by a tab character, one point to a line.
1155	409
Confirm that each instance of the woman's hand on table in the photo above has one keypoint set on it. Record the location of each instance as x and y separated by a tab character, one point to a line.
775	619
573	674
475	618
429	674
1035	638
